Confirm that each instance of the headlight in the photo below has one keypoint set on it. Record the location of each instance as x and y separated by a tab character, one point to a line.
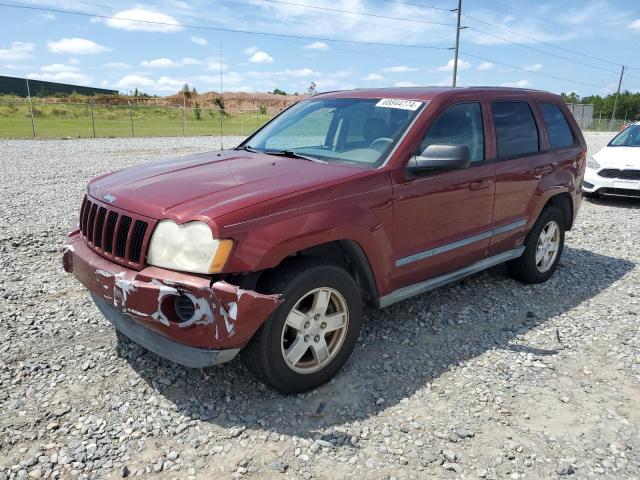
189	247
591	163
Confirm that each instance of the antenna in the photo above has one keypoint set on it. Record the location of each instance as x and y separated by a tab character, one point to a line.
221	97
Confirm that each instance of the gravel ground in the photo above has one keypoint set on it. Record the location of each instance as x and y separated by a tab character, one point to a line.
484	378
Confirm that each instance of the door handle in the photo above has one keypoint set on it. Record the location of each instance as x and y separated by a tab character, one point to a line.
480	184
544	170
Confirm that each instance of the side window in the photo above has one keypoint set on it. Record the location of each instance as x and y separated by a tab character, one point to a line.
560	134
516	130
459	124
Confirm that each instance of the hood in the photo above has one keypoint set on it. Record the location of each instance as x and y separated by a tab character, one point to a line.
210	185
619	157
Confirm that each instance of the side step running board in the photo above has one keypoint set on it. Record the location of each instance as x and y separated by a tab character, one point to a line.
418	288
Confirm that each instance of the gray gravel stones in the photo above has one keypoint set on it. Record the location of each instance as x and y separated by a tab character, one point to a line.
485	378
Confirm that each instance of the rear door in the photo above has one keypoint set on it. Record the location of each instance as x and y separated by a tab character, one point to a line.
536	153
442	220
520	164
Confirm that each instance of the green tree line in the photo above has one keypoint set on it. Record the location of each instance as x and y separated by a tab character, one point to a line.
628	104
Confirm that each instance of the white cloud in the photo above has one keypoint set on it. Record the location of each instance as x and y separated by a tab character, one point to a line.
135	18
400	69
485	66
59	67
406	84
372	77
261	57
168	63
635	25
214	64
76	46
241	88
250	50
302	72
462	65
232	78
519	84
536	67
134	81
317	46
198	40
340	74
118	65
331	84
191	61
159	63
64	77
169	84
17	51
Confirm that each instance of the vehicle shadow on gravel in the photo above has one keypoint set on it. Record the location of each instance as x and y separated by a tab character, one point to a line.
401	350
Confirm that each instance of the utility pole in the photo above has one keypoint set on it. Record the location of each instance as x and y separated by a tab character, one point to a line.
615	102
221	97
33	122
455	58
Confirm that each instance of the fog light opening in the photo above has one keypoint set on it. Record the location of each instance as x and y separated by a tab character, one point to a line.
184	308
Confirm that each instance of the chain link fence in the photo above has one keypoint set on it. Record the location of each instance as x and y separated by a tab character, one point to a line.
42	119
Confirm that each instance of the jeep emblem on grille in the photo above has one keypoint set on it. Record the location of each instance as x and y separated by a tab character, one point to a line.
110	198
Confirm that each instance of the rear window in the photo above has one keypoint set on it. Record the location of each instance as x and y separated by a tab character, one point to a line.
560	134
516	130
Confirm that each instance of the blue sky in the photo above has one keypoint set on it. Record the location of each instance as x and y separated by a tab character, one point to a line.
123	54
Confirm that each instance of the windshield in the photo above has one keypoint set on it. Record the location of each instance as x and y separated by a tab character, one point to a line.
359	131
629	137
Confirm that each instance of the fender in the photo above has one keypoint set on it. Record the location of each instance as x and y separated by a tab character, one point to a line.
363	217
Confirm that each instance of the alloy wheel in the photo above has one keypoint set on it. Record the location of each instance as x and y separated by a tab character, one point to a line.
547	246
314	330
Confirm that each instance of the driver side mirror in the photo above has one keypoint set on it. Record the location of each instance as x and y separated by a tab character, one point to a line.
440	157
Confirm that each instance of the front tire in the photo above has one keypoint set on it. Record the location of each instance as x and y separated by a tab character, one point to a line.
543	249
308	338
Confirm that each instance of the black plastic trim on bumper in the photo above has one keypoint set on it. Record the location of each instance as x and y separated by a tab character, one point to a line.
192	357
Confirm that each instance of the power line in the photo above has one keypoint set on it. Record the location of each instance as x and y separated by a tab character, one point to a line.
222	29
538	40
444	9
529	47
350	12
533	72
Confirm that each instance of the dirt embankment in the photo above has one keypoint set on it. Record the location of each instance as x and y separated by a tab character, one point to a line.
232	100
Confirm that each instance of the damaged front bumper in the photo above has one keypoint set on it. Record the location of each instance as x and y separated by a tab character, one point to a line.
145	306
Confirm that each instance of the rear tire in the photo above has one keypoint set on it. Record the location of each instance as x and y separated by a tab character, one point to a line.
543	249
308	338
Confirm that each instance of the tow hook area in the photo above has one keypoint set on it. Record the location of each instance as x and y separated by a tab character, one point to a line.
183	307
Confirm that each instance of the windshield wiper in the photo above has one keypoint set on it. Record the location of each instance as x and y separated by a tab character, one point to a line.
247	148
290	154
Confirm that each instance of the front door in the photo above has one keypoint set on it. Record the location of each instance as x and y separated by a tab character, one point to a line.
442	221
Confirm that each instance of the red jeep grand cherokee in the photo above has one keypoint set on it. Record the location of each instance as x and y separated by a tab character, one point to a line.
271	249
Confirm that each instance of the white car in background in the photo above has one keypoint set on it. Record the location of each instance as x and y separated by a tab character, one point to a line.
615	170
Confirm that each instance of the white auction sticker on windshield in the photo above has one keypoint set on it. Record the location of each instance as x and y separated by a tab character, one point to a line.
399	103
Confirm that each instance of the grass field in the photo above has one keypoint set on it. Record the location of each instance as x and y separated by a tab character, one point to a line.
75	120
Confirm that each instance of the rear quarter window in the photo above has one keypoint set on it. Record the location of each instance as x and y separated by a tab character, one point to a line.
560	134
516	130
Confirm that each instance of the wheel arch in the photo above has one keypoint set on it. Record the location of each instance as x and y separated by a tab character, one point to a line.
349	254
563	202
